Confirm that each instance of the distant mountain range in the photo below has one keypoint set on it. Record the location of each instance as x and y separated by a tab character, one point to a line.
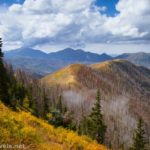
71	55
140	58
25	53
39	63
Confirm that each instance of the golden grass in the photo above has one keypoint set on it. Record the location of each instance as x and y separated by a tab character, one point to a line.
65	76
23	128
105	66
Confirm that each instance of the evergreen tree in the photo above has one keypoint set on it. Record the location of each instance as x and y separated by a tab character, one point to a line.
59	104
95	125
20	93
139	141
4	84
46	107
1	54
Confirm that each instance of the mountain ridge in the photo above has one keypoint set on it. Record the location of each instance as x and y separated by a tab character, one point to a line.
124	86
40	63
140	58
70	54
25	52
107	69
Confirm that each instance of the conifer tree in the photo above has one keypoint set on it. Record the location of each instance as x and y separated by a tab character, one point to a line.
4	85
1	54
59	104
46	107
95	125
139	141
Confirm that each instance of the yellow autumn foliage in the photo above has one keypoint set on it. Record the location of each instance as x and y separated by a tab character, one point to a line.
36	134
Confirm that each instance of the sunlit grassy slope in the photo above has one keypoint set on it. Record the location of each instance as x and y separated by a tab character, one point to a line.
23	128
78	75
65	76
112	77
107	65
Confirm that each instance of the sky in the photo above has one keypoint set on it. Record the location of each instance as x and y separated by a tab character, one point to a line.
110	26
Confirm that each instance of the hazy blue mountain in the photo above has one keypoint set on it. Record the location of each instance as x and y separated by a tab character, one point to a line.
40	63
140	58
79	55
25	52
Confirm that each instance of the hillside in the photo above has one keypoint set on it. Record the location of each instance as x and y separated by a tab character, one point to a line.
23	128
113	78
125	91
66	76
131	77
140	58
104	75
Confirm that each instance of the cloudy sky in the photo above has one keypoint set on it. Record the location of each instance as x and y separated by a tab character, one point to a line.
112	26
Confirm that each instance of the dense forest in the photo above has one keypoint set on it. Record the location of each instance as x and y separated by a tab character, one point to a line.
21	91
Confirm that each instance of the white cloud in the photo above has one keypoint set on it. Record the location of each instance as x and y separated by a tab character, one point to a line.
15	8
74	23
131	22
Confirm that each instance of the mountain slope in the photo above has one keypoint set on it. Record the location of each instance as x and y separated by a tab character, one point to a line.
127	74
66	76
106	75
35	134
125	91
140	58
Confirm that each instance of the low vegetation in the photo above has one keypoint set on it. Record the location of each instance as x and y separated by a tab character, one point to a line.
23	128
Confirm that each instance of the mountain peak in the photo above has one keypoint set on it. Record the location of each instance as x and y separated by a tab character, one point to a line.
109	64
25	52
79	55
140	58
68	49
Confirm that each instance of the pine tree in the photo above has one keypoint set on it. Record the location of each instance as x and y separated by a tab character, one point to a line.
20	93
59	104
1	54
46	107
95	125
139	141
4	84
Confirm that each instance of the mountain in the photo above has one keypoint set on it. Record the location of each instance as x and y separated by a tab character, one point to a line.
39	63
108	74
33	61
79	55
25	130
125	92
140	58
25	53
66	76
